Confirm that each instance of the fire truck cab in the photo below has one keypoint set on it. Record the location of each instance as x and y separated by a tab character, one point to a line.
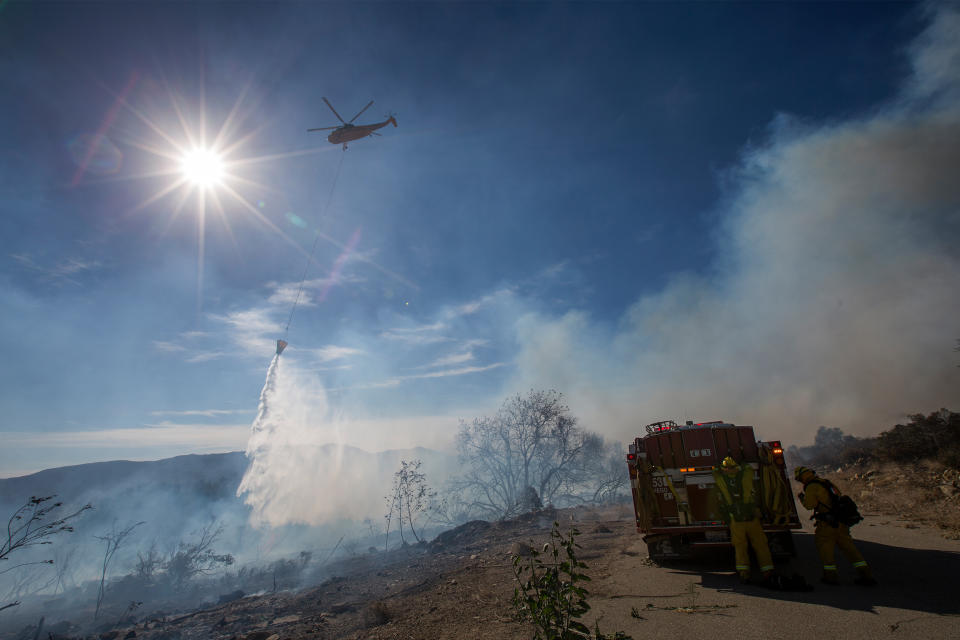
672	479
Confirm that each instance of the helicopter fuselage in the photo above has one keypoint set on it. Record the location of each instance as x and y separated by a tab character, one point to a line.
350	132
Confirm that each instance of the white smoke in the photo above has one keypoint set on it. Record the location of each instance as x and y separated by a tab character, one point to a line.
835	300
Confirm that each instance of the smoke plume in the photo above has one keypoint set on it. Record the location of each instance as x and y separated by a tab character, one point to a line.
835	297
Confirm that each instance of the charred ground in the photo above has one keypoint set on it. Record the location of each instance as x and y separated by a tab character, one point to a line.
460	585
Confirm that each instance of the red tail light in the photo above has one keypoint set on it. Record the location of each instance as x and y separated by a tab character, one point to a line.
631	456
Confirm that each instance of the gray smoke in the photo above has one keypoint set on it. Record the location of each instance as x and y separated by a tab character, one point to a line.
835	300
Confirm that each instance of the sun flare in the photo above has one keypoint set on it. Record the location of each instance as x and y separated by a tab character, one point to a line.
202	167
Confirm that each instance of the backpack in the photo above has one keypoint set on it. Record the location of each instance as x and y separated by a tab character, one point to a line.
843	510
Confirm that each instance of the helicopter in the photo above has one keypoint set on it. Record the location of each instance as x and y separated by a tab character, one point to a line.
348	131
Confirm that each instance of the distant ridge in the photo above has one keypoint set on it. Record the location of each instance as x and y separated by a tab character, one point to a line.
213	475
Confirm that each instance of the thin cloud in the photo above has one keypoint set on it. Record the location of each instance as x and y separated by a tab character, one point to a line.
436	326
286	293
334	352
60	272
250	330
398	380
206	356
168	347
472	307
453	372
445	373
228	437
209	413
451	359
250	321
194	335
468	309
417	335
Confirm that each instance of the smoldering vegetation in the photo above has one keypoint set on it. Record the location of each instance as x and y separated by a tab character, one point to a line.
192	541
931	438
174	536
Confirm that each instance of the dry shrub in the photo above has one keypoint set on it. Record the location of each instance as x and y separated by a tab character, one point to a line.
909	492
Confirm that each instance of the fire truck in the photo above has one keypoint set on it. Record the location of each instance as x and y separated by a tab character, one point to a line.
673	477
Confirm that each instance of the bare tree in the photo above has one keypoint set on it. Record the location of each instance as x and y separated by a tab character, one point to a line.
393	509
414	493
63	561
195	558
113	539
149	564
449	508
608	474
411	495
531	442
34	523
368	523
30	580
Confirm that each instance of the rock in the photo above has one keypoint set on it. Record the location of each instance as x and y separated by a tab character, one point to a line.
286	619
601	528
949	490
257	635
460	536
130	634
520	549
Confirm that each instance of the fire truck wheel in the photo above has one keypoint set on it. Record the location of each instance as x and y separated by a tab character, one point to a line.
781	545
667	548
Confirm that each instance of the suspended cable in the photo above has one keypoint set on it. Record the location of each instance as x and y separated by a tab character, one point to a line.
306	267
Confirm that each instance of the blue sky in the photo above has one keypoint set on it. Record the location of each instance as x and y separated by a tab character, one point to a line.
570	188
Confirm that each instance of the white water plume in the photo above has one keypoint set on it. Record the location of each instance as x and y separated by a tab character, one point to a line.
298	473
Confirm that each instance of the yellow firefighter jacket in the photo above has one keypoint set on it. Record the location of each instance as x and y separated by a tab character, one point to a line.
816	497
737	502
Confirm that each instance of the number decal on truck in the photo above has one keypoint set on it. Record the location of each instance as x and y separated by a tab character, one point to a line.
699	453
660	486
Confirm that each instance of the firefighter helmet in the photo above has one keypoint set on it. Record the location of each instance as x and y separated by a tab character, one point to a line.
799	471
729	463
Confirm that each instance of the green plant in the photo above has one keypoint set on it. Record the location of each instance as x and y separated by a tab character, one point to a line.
550	593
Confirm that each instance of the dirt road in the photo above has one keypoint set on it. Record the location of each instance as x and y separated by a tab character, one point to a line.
917	596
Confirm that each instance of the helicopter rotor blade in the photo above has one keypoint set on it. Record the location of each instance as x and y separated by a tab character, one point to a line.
334	110
361	111
322	128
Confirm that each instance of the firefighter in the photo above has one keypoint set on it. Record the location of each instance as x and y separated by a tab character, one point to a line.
739	509
830	533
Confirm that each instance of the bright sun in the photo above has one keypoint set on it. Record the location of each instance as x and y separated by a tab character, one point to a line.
202	167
